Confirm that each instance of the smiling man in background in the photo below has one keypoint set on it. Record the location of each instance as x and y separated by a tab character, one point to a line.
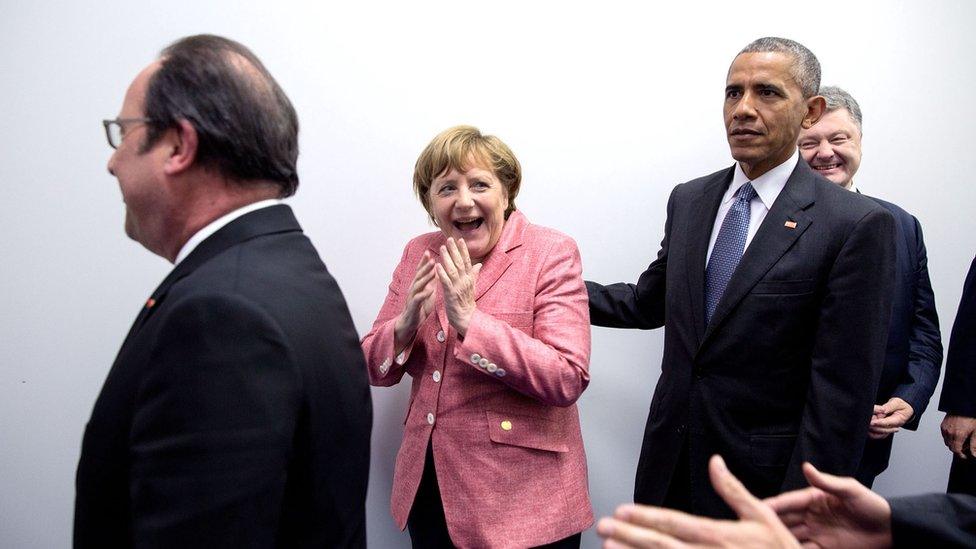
913	357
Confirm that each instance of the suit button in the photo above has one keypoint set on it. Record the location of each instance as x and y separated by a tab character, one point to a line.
483	363
430	418
500	372
506	425
491	367
440	336
437	376
681	429
475	358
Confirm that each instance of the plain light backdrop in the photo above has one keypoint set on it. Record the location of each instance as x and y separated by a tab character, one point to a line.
607	105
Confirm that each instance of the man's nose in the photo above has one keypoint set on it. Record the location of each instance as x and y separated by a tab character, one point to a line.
111	162
744	108
825	149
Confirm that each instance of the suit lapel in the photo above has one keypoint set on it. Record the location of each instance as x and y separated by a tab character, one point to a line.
775	236
499	259
274	219
704	208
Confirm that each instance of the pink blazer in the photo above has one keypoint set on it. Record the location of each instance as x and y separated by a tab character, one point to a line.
499	405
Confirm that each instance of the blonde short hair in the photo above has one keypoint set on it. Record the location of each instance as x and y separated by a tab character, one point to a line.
461	148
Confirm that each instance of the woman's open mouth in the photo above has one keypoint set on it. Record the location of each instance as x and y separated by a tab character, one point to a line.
468	225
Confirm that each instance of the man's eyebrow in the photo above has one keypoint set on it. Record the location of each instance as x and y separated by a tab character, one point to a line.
770	87
733	87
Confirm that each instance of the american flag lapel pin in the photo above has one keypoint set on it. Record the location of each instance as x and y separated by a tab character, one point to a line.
790	224
150	303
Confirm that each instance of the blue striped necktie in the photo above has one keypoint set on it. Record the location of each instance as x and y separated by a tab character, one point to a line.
727	252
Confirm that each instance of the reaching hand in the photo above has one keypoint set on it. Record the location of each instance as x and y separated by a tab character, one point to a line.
958	434
420	302
639	526
835	512
889	418
458	279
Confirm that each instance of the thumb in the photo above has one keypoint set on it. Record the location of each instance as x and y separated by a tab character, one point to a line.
733	491
841	487
476	269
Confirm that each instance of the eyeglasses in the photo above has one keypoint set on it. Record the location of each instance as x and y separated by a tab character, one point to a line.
114	129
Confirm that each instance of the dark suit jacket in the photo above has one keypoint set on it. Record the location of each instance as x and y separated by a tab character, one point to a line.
237	413
788	368
959	385
933	520
913	358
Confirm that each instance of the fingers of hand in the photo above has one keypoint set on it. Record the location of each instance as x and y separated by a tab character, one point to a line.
793	518
447	261
453	248
425	273
894	420
796	501
842	487
445	279
682	526
465	256
733	491
629	535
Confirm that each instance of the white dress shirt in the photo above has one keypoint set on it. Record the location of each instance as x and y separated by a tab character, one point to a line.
767	186
218	224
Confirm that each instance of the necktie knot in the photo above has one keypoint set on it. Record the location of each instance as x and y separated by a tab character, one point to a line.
746	193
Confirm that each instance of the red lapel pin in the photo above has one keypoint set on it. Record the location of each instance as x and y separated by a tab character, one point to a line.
150	302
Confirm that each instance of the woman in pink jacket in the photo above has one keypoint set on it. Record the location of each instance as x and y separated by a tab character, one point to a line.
489	317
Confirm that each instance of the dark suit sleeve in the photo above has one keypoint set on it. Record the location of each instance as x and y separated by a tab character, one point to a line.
848	352
641	305
925	341
959	384
933	520
212	429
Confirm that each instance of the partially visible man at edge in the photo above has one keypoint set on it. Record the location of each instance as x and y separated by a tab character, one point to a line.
237	412
772	360
913	357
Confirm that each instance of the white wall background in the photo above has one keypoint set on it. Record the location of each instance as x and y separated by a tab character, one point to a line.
607	106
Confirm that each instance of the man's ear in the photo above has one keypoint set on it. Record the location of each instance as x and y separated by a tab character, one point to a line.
184	141
816	106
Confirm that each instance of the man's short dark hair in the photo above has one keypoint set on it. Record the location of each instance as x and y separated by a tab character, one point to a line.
246	126
805	68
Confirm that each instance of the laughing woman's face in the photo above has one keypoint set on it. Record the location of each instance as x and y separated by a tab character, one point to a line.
470	205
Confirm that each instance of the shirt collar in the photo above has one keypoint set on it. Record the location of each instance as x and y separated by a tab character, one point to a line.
218	224
768	185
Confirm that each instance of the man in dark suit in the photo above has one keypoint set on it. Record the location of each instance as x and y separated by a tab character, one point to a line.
771	355
237	412
959	392
913	358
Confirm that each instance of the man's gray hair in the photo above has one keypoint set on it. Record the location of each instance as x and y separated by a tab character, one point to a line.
805	69
837	99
